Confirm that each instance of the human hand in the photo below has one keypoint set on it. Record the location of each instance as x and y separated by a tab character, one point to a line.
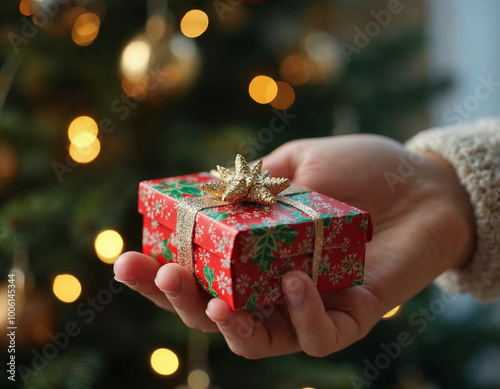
423	225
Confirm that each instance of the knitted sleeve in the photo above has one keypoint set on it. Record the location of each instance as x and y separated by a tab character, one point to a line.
474	151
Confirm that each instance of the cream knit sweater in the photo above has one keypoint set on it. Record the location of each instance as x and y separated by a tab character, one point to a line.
474	151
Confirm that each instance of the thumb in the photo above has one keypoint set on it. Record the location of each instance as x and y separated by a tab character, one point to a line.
282	162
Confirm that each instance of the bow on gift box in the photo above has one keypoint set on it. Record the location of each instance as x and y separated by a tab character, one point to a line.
244	184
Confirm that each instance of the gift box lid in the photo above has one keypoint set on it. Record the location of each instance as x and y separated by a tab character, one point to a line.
248	232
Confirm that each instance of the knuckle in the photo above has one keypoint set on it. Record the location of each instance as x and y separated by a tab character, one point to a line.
191	325
311	325
321	350
247	354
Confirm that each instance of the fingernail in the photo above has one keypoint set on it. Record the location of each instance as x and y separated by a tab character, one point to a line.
294	289
171	293
221	323
128	283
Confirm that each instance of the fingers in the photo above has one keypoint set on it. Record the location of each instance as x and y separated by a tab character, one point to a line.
316	333
282	162
184	294
256	333
138	272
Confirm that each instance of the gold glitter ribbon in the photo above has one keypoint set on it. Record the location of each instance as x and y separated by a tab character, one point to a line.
188	208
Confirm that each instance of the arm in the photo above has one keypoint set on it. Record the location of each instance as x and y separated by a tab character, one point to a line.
474	153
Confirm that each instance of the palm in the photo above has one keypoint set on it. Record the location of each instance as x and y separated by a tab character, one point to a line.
413	219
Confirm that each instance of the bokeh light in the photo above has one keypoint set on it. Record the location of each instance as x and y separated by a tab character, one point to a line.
156	27
194	23
164	361
82	125
84	148
66	288
392	312
9	162
263	89
324	52
296	69
198	379
108	246
133	88
26	8
85	29
135	59
285	96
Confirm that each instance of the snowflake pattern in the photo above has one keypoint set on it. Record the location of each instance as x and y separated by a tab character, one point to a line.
342	223
242	283
335	275
224	284
352	265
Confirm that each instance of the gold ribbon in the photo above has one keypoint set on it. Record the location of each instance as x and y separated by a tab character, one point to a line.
188	208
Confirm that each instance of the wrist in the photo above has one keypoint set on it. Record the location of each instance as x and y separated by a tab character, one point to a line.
459	237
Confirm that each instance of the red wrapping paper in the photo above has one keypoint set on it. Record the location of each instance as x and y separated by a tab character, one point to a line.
241	251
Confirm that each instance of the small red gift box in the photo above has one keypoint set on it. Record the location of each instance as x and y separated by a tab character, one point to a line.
241	251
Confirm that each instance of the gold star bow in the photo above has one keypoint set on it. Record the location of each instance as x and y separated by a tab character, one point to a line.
246	183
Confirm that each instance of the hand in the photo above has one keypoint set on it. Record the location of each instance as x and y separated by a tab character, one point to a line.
423	225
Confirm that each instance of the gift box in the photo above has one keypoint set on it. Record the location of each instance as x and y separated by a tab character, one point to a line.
239	252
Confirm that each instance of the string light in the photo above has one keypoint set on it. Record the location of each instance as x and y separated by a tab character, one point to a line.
84	148
108	246
198	379
133	88
135	59
85	29
392	312
156	27
285	96
164	361
194	23
26	8
81	125
263	89
296	69
66	288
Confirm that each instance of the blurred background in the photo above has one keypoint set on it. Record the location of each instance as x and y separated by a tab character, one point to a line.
96	96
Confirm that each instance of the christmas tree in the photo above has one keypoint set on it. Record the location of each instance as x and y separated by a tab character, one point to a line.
96	96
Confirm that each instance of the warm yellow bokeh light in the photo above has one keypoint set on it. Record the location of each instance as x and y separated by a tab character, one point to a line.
66	288
391	313
156	27
285	97
135	59
296	69
164	361
85	29
133	88
263	89
194	23
82	125
198	379
108	246
26	8
84	148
